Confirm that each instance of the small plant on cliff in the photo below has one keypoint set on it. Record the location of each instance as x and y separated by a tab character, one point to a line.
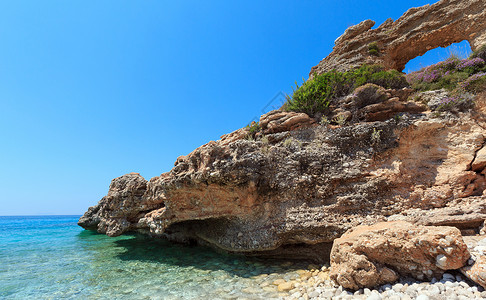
340	119
324	121
376	136
373	49
292	143
264	140
253	129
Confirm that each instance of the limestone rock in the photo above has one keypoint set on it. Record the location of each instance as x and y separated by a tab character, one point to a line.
466	213
280	121
391	107
299	190
120	206
234	136
479	162
432	98
417	31
367	256
369	94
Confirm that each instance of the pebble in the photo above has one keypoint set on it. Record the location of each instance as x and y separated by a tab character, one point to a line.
448	276
285	286
314	284
374	296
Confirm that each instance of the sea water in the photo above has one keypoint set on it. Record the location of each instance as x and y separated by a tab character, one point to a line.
50	257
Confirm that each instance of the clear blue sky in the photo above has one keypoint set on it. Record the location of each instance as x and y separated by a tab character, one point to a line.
91	90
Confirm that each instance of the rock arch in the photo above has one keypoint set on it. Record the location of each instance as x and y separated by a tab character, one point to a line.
417	31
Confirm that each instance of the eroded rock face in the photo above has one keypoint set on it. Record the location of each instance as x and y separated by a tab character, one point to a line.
302	189
413	34
120	207
367	256
370	102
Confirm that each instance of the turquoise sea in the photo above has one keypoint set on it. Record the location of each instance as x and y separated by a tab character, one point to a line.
50	257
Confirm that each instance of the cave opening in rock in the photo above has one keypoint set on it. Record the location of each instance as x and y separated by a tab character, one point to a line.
433	56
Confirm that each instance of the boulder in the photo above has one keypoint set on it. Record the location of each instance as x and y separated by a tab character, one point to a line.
389	108
234	136
367	256
280	121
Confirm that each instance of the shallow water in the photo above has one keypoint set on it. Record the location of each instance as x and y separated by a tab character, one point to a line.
50	257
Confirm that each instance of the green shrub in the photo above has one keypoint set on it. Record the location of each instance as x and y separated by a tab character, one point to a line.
446	74
253	129
391	79
315	95
373	49
448	82
475	83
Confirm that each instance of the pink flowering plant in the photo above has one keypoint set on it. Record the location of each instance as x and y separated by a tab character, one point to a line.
474	84
456	102
447	74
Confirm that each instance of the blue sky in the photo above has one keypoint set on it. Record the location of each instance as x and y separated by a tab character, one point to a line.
91	90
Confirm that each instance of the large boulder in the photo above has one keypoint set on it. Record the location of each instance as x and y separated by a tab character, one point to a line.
280	121
367	256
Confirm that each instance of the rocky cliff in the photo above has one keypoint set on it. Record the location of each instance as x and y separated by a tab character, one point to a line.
419	30
307	187
300	184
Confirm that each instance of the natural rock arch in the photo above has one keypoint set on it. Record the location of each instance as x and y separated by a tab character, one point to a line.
417	31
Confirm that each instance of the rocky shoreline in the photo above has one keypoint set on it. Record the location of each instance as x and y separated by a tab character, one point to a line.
386	183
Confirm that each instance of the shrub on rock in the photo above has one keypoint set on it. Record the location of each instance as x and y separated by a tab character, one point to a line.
316	94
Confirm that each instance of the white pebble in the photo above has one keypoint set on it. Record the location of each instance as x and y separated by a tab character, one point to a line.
313	294
374	296
398	287
422	297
